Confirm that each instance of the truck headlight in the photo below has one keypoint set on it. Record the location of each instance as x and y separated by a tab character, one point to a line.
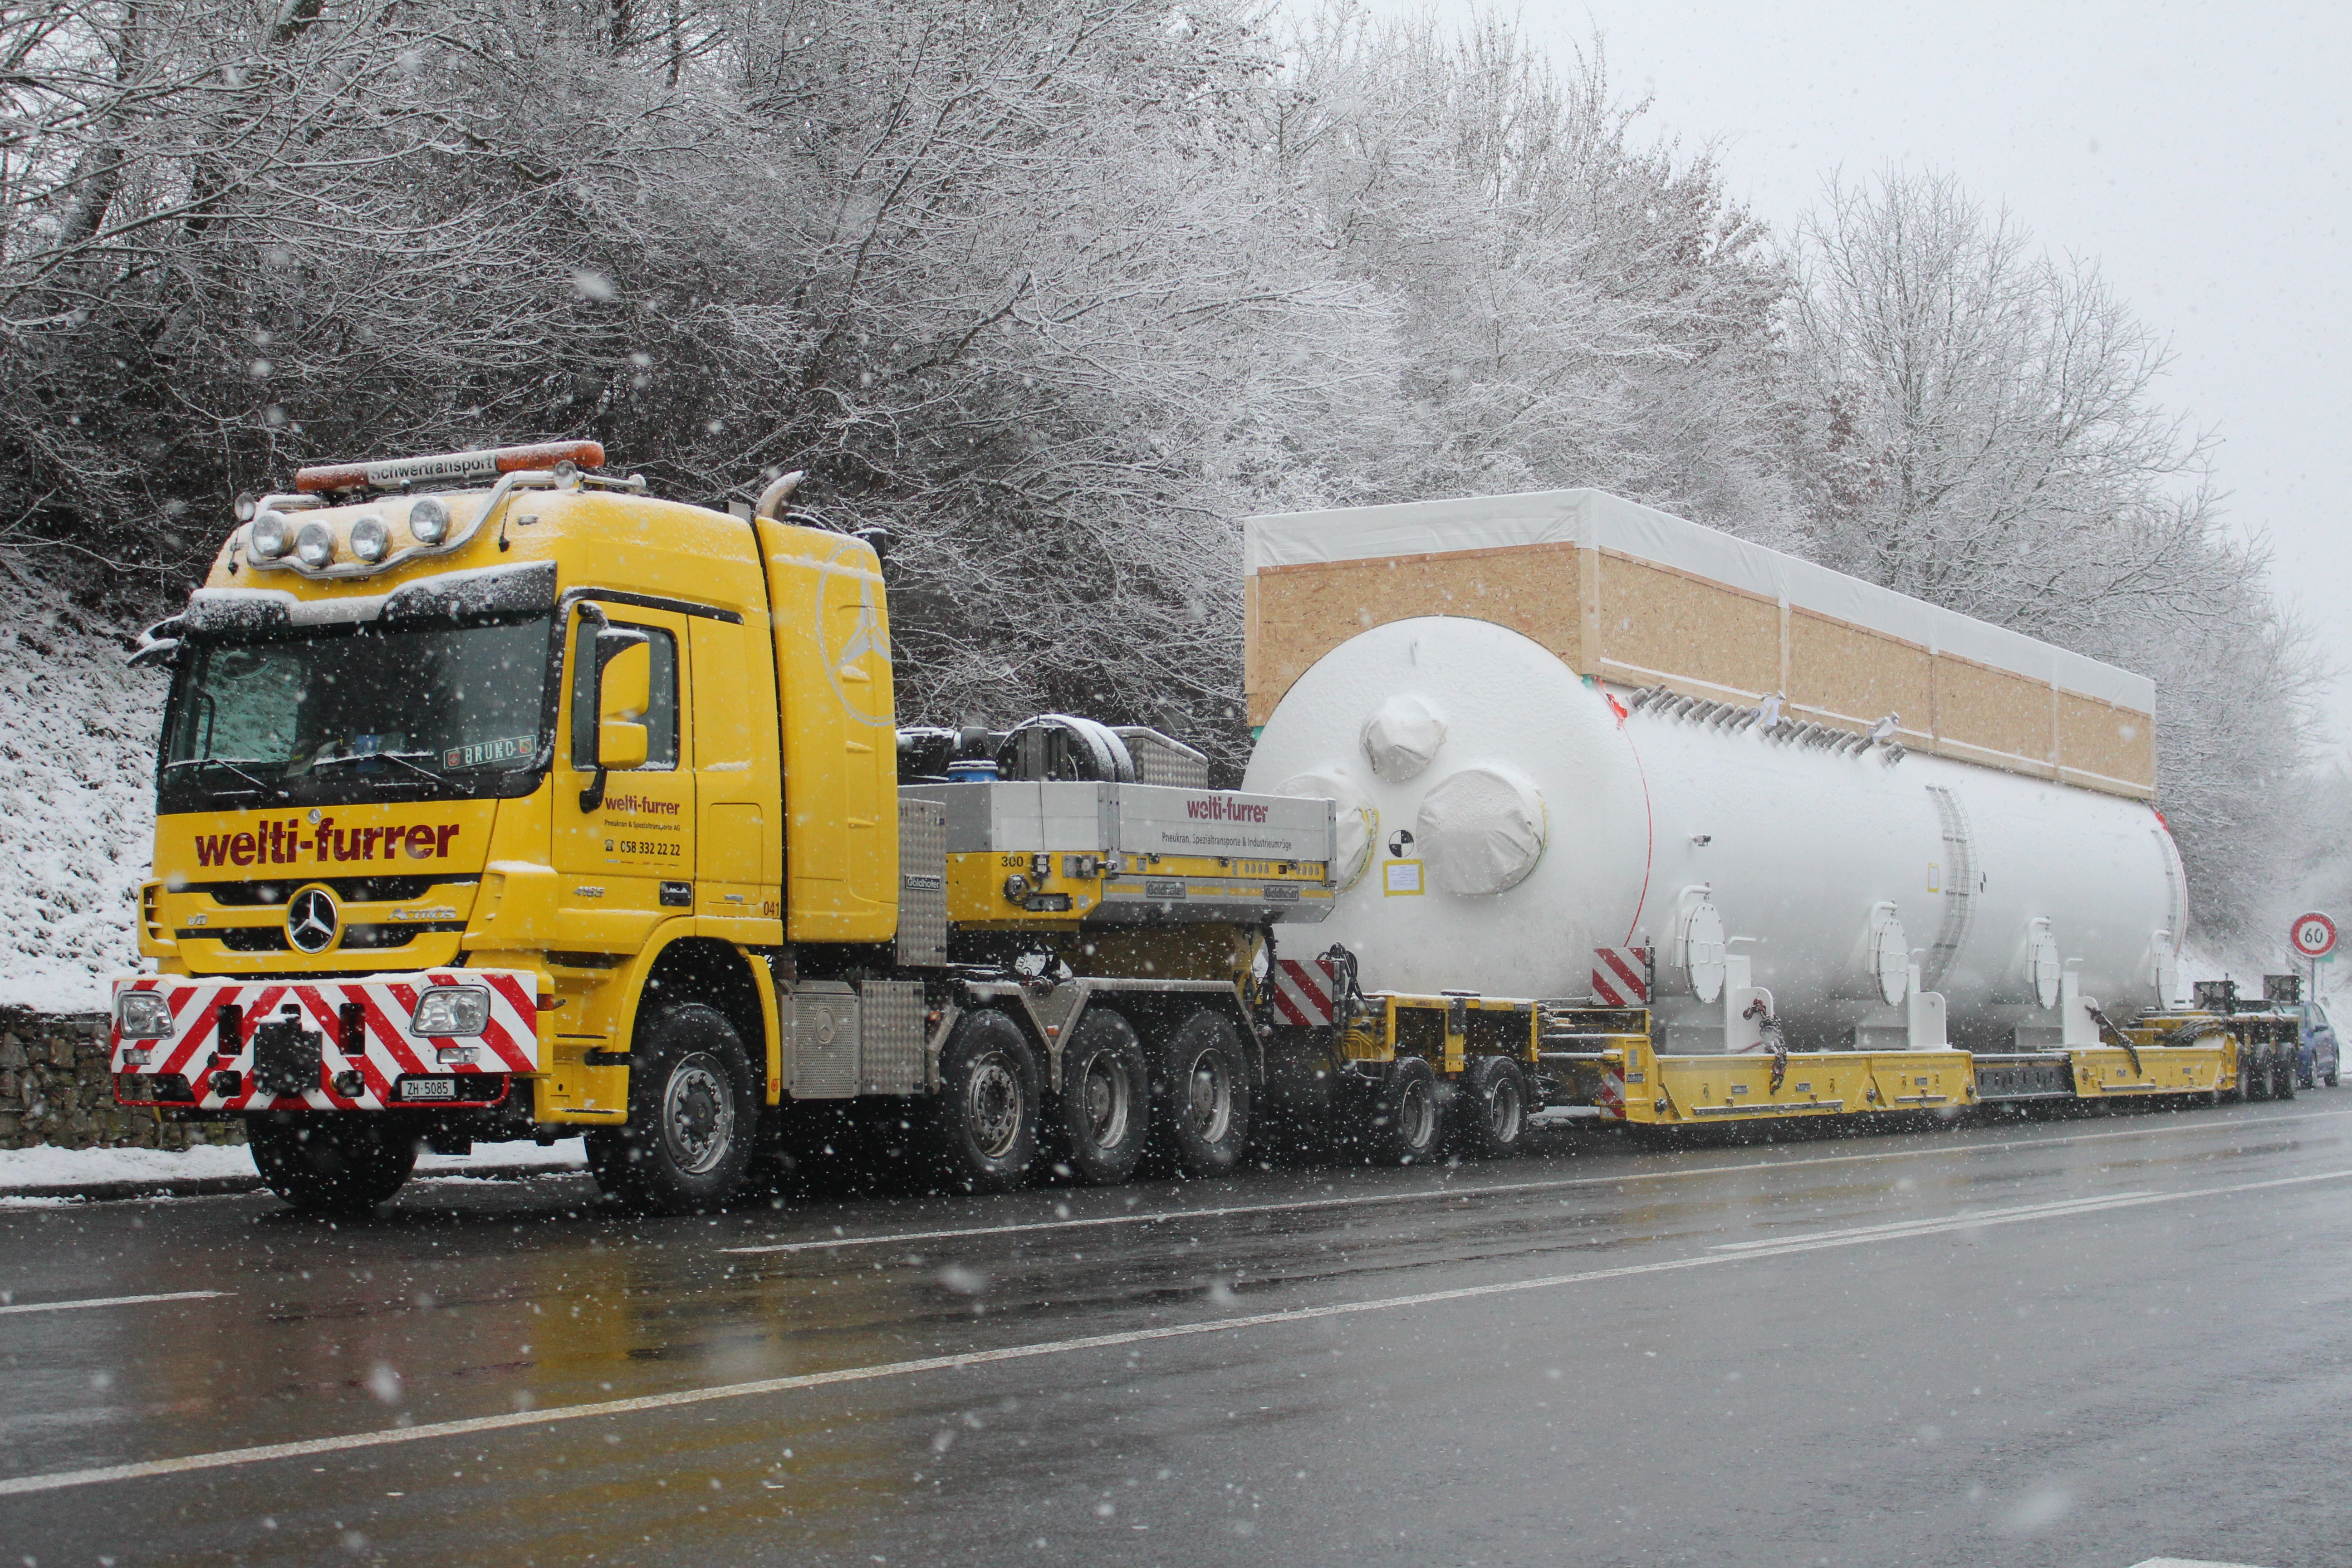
451	1010
429	521
143	1015
315	544
272	535
371	539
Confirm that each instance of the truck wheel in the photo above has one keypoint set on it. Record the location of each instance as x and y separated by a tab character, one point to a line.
344	1165
694	1109
1491	1111
1104	1115
1202	1099
1406	1126
2255	1074
983	1120
2284	1069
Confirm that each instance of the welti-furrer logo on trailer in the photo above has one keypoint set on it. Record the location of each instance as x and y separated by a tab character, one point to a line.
1224	808
292	841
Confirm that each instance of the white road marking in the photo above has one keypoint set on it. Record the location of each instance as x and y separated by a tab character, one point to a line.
110	1301
59	1481
1430	1194
1898	1227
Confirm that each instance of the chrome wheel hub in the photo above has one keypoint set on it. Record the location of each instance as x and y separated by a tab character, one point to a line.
698	1114
1416	1114
1105	1096
1209	1097
1503	1112
992	1105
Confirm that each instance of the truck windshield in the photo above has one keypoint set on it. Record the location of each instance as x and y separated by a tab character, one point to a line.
350	712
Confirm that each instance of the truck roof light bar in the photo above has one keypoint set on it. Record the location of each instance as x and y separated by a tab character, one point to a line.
400	472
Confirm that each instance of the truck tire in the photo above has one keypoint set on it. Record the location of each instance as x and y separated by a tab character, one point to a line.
337	1165
1103	1115
983	1120
1491	1111
1407	1126
2253	1073
2284	1070
1201	1096
693	1111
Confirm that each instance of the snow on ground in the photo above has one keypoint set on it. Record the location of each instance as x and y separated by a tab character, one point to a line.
34	1171
77	732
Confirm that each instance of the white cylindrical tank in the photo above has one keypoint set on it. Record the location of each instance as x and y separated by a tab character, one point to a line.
1501	819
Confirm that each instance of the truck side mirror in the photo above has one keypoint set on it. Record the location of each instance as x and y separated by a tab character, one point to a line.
612	690
624	694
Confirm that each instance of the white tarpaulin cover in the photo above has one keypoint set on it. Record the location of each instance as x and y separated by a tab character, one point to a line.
1482	830
1401	735
1597	520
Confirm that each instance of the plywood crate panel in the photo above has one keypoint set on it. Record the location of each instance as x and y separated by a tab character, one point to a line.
1301	614
2101	744
2002	715
1847	674
1632	595
1658	623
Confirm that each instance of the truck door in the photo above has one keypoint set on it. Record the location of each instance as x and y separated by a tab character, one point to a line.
739	843
628	861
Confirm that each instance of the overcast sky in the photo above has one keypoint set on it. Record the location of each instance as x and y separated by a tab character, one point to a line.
2197	153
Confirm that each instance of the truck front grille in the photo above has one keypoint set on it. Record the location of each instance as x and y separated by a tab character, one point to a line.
272	939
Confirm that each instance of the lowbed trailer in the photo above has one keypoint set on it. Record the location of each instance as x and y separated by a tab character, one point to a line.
1497	1060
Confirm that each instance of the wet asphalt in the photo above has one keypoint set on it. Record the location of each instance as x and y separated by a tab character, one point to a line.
2091	1341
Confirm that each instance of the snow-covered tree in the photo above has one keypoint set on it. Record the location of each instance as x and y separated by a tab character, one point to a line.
1572	309
1980	426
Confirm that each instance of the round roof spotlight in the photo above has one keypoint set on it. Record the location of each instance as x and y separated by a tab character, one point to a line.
370	540
428	521
273	535
315	545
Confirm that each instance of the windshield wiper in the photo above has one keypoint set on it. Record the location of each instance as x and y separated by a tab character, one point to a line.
231	764
400	757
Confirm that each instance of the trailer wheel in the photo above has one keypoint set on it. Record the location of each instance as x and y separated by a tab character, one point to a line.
1407	1126
2253	1073
693	1106
1104	1113
342	1164
1202	1096
1491	1111
2283	1070
983	1120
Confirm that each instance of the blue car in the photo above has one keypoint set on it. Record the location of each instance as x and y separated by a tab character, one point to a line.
2318	1060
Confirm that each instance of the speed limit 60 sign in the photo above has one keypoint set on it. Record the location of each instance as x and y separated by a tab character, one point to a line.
2313	935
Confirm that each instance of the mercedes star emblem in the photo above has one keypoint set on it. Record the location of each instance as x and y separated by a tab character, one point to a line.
311	920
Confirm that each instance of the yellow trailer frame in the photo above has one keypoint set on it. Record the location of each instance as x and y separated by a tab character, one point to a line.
1604	1058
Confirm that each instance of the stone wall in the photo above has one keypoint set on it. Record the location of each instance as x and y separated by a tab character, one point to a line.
53	1090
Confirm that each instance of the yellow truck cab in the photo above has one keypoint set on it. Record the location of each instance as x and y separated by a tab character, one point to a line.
498	798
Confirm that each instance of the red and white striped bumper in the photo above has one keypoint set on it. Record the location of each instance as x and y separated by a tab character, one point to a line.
1609	1096
369	1056
1621	976
1306	993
